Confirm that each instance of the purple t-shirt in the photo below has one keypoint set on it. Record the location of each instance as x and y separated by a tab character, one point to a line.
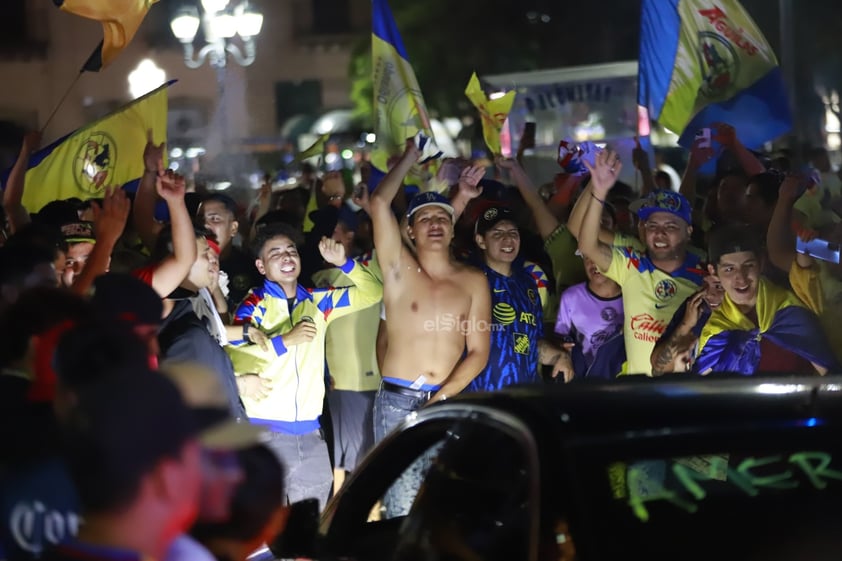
588	319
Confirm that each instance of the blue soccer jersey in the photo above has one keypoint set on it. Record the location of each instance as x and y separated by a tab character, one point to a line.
516	327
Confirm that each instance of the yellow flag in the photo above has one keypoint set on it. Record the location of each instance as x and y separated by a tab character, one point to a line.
492	111
101	154
120	20
316	149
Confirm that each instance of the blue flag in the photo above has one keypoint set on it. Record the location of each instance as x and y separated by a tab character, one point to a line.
703	62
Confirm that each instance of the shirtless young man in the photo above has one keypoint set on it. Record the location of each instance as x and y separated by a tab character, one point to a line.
438	309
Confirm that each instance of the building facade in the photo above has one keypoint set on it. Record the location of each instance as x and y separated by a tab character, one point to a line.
301	71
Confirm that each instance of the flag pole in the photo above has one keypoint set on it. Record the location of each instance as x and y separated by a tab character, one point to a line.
61	101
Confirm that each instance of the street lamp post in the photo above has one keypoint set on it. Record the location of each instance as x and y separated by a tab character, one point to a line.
220	25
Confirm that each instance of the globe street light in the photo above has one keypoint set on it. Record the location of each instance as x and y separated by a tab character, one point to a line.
145	78
220	25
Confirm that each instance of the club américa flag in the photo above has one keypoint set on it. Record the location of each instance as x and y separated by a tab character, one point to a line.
120	20
101	154
705	61
399	110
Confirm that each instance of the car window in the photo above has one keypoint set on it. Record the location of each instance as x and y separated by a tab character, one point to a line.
474	501
466	483
770	498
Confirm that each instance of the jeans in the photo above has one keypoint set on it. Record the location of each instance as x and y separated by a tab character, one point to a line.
390	409
307	465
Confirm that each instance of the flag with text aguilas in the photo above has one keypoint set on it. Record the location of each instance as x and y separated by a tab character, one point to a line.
705	61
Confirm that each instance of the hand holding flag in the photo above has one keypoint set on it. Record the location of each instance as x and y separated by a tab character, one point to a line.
428	148
703	62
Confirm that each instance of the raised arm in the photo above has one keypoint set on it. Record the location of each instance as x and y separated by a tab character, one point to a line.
780	239
603	176
13	190
172	271
727	136
264	200
699	155
387	235
477	341
640	158
467	189
109	223
544	219
577	216
366	291
143	210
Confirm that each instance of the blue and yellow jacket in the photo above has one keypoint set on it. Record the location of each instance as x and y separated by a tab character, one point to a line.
294	403
351	341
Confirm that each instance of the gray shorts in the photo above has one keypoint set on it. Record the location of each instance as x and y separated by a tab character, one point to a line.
352	414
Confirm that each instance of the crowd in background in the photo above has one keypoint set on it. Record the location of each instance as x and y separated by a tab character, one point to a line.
170	385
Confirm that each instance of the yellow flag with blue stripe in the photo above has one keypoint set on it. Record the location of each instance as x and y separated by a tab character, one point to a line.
399	110
102	154
703	62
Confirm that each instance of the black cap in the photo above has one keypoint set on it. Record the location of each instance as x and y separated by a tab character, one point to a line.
58	213
230	204
492	216
78	232
733	238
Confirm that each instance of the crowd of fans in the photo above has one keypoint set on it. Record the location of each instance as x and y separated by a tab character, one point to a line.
169	386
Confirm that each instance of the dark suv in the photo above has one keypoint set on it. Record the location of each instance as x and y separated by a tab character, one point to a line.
674	468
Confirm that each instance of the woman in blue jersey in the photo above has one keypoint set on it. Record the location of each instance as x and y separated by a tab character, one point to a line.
518	292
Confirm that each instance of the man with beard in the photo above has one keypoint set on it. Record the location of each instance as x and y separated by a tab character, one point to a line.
656	281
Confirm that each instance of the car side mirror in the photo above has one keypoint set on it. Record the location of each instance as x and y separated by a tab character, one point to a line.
300	536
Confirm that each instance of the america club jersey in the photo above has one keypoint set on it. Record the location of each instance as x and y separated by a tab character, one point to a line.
516	327
650	298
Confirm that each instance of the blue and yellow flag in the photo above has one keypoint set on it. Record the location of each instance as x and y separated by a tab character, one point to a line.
101	154
730	341
120	20
703	62
399	110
